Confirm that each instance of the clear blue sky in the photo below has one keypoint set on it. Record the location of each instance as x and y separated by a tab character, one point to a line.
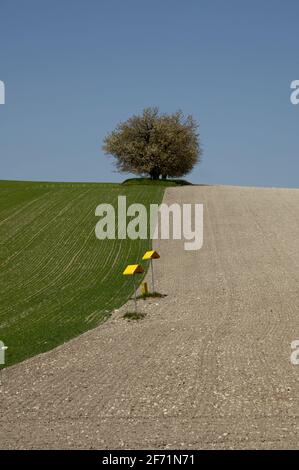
74	68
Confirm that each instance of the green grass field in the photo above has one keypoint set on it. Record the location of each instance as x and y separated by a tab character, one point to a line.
57	279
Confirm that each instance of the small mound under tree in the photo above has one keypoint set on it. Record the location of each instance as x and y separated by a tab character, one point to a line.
154	144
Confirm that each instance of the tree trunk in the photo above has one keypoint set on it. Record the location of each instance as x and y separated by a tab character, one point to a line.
155	173
164	177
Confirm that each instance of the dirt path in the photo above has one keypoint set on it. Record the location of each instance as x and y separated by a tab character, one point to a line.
208	367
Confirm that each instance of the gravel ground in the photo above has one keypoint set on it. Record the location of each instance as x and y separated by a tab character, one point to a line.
208	367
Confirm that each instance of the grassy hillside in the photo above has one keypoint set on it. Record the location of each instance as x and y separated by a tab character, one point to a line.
56	279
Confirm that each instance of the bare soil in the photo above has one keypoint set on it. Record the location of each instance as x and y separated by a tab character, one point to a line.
209	365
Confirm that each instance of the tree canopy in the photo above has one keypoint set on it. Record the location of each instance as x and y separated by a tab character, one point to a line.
154	144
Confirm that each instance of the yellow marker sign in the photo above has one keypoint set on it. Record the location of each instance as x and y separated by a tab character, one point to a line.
130	270
133	269
151	255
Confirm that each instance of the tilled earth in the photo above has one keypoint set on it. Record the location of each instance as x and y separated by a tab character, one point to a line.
209	365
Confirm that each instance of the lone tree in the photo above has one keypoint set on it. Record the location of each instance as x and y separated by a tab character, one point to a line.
155	144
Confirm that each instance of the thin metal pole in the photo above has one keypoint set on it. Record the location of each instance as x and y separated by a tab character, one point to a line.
135	299
153	281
